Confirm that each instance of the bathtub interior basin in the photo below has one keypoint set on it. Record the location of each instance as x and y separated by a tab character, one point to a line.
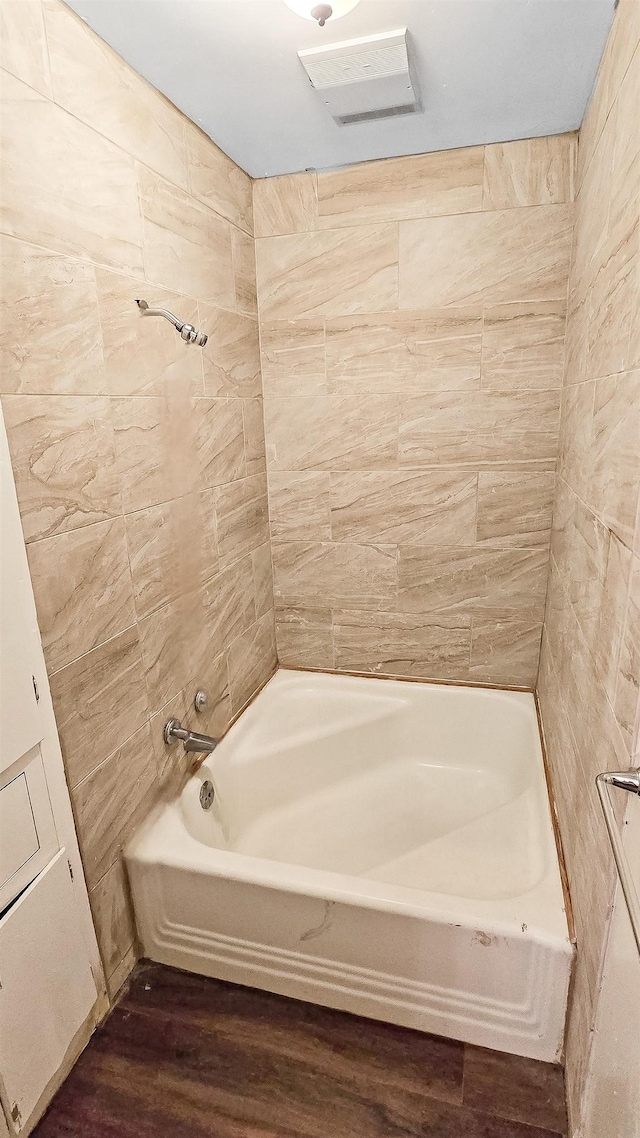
416	785
392	827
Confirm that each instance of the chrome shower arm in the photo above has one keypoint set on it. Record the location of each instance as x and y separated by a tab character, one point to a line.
160	312
187	331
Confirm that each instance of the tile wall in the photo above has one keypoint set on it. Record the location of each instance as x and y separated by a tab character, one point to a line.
139	460
412	319
590	668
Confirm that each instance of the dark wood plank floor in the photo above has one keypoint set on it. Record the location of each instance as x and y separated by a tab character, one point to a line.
183	1055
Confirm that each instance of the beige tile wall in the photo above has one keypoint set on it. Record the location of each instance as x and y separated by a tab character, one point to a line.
412	319
139	460
590	668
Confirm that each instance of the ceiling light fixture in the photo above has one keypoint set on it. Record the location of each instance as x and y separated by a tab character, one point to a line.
310	10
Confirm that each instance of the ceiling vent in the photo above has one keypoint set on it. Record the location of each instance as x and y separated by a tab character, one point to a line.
364	79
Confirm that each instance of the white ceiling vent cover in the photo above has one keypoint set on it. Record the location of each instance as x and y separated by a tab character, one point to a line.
363	79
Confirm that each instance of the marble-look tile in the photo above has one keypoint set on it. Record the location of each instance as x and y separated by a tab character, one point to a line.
262	578
230	601
331	432
523	346
500	584
499	428
633	352
576	423
99	88
562	754
576	340
220	436
187	247
611	306
64	464
400	644
153	537
23	43
418	185
300	505
112	801
582	565
244	272
165	645
143	436
531	171
522	1090
491	258
99	700
293	359
319	574
212	676
615	463
592	211
625	182
505	651
252	660
612	614
173	764
231	358
403	507
627	693
242	517
118	978
70	189
141	356
50	341
286	204
83	591
338	272
619	50
404	351
113	917
255	446
514	508
304	637
578	1037
217	180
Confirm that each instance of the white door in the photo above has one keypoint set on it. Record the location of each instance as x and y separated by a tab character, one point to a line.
28	837
51	982
48	989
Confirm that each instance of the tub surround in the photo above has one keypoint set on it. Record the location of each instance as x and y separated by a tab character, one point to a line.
412	316
139	460
590	668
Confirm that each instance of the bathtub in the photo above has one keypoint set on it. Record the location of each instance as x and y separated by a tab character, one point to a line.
380	846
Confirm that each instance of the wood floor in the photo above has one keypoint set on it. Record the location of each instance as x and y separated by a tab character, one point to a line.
185	1056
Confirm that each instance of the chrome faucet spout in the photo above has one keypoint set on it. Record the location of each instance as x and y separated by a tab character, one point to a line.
174	732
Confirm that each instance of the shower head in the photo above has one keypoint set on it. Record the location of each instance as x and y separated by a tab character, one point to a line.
187	331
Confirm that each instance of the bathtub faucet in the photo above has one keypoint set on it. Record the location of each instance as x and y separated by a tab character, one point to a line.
193	741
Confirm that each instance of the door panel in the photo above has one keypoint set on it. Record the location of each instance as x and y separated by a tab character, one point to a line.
18	834
20	722
28	837
47	988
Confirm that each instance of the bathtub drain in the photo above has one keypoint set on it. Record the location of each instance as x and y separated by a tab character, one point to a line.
207	795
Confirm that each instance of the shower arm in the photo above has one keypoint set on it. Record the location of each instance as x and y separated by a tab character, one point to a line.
187	331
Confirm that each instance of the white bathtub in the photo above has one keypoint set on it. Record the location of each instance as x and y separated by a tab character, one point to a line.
379	846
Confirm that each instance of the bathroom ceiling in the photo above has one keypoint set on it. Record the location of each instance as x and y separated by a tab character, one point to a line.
485	70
